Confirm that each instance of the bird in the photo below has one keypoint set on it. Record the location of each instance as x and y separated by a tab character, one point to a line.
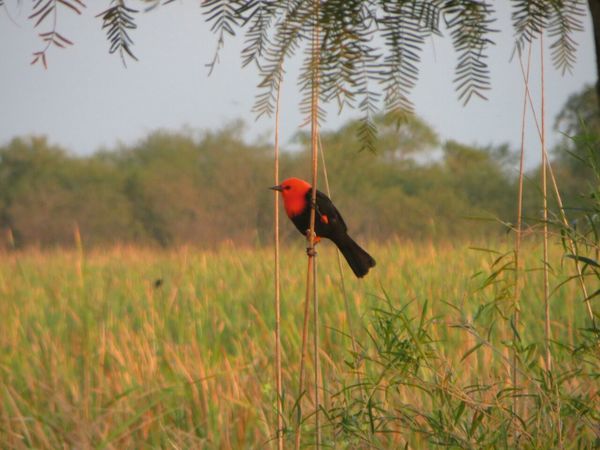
297	198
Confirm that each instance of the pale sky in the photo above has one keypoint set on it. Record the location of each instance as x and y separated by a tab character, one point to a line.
87	99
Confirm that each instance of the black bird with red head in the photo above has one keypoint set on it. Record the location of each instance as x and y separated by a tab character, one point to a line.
297	196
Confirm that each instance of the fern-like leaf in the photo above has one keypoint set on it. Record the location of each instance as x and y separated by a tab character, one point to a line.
118	21
355	71
348	28
44	9
404	28
529	18
153	4
470	23
258	17
225	17
565	20
292	20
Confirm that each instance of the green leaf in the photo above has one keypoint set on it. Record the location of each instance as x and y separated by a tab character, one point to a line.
585	260
473	349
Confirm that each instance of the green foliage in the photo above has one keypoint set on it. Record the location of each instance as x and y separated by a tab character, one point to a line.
94	353
481	176
415	387
580	117
561	18
276	29
46	195
470	25
579	121
351	69
355	71
174	188
540	408
580	236
159	347
368	50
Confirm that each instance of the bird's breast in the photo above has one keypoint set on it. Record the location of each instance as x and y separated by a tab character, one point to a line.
294	206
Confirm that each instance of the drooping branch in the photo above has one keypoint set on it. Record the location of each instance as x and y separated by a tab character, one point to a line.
47	10
118	21
566	19
470	25
370	48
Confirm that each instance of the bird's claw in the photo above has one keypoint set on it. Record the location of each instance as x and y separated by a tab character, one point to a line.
310	251
316	239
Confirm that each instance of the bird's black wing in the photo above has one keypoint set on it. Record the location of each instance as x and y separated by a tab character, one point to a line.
325	207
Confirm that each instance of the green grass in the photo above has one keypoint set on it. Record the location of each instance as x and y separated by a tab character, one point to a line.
94	355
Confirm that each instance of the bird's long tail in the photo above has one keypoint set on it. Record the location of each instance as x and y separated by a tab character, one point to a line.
359	260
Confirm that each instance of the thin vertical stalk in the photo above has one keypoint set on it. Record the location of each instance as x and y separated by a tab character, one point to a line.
79	246
312	255
303	354
518	236
277	284
547	330
563	215
316	356
571	243
311	270
341	271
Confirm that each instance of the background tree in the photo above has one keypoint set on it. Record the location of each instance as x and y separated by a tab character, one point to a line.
179	188
172	189
579	121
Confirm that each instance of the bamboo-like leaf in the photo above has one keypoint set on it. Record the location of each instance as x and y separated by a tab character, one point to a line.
585	260
459	411
593	295
44	13
471	350
63	39
36	58
40	8
73	7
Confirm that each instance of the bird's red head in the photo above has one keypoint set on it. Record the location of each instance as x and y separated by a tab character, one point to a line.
293	191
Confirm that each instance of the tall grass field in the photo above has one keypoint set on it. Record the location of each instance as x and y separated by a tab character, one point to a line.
140	348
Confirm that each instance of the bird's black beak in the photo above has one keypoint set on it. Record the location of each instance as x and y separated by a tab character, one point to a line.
276	188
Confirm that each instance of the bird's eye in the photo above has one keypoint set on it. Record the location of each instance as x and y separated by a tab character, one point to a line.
287	188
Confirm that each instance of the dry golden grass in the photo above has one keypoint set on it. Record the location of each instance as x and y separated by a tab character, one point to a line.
94	353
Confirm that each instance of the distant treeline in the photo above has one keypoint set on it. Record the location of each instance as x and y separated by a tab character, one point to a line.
178	188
